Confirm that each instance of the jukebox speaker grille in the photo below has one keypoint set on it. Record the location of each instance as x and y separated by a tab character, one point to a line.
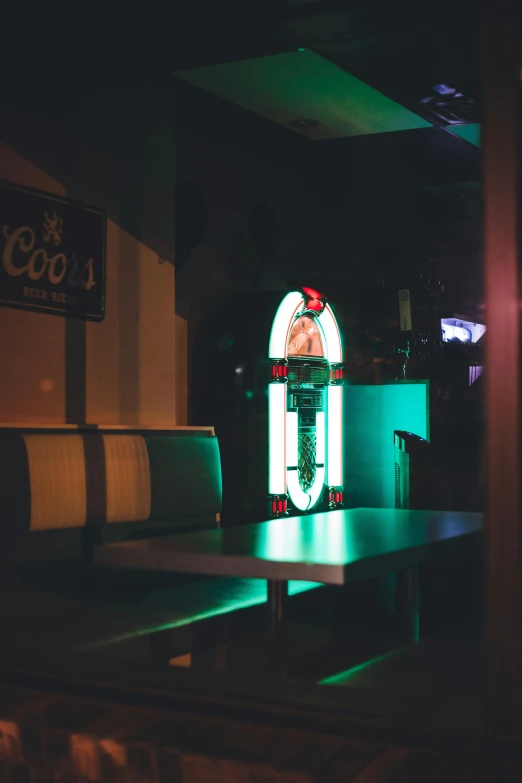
306	460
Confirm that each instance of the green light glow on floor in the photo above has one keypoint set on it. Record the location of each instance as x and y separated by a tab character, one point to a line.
302	85
225	595
470	133
343	678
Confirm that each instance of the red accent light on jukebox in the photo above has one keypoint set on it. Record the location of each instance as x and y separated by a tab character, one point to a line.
335	497
278	505
279	371
336	375
314	300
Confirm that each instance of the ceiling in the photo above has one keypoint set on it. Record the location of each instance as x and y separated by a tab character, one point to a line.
362	90
306	92
370	91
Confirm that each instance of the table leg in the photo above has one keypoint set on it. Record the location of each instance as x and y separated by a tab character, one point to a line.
277	595
408	593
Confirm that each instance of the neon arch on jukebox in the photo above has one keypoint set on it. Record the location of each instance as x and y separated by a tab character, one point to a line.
305	405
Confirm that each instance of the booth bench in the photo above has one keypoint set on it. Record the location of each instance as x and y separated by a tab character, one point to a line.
64	491
104	485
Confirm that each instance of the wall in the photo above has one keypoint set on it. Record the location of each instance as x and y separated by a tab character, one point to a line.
121	371
309	233
79	124
336	227
232	183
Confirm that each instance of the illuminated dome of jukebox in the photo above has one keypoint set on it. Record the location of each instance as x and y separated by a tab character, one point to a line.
305	395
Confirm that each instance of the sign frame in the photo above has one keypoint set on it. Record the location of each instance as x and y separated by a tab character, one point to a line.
39	301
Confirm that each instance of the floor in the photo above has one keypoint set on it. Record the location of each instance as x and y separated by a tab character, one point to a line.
353	706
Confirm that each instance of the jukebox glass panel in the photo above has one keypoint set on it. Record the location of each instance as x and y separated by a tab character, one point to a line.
306	338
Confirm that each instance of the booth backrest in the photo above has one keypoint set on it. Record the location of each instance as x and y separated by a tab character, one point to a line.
70	480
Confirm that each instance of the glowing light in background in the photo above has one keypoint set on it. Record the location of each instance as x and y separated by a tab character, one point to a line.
475	371
463	330
455	333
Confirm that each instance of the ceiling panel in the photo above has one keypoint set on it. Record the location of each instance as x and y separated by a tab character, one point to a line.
470	133
307	93
406	56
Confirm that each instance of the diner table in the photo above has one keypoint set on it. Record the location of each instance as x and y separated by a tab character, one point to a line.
332	548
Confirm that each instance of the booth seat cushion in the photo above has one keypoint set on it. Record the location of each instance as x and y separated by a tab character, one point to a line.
55	481
185	476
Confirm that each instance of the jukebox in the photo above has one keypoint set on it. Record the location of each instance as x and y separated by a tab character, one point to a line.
305	398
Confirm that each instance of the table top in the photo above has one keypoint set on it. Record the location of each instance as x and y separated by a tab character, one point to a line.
333	547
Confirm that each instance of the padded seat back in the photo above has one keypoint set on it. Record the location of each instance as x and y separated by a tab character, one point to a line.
67	480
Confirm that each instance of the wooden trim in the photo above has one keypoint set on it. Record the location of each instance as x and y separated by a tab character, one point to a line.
102	427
